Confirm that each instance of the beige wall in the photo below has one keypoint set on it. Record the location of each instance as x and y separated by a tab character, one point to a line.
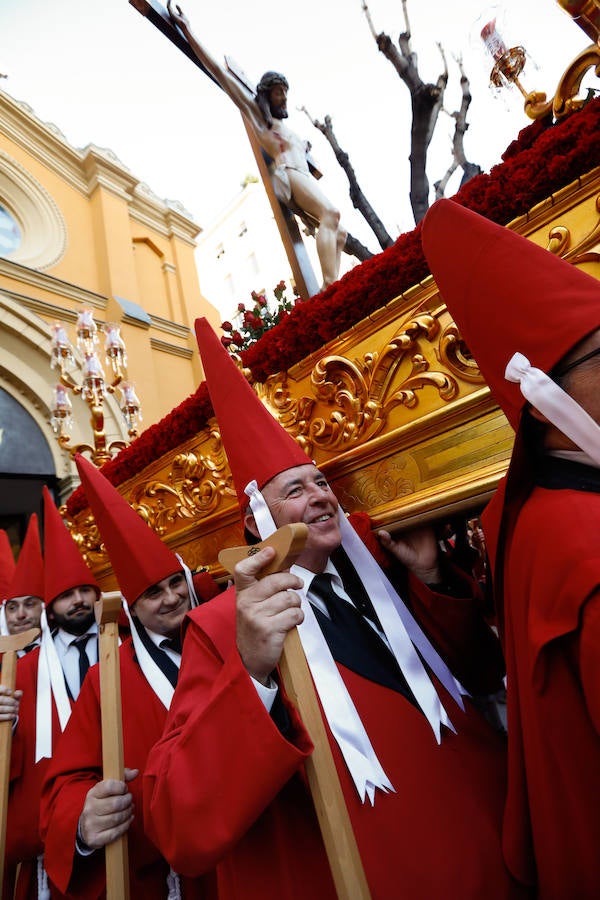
93	236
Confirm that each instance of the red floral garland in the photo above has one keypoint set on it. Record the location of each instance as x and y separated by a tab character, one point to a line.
543	159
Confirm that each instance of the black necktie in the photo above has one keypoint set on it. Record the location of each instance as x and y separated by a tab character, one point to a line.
173	644
340	611
84	662
353	642
162	659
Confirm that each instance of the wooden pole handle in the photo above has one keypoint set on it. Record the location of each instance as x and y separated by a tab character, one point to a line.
9	646
332	813
108	610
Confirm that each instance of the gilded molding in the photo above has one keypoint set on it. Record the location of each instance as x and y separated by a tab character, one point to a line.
352	399
584	249
195	487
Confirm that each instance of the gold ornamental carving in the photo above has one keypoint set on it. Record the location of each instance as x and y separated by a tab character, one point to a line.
383	483
565	100
587	249
195	486
361	393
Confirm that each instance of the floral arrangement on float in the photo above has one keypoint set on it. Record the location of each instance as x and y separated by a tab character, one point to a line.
544	158
249	325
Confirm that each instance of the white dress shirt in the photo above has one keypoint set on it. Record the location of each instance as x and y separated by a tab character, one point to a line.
69	655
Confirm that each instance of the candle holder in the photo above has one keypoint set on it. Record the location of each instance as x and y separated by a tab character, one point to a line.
509	62
93	388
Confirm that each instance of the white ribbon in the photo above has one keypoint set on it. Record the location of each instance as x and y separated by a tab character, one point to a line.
50	683
173	885
555	404
403	635
4	632
157	679
340	711
189	581
260	510
42	880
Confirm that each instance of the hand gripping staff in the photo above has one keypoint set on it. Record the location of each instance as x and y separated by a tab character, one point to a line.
334	821
108	609
9	645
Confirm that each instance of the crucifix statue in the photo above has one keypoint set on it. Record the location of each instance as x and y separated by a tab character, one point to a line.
282	156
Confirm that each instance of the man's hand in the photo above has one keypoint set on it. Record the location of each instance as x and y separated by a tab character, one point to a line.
266	610
417	550
9	704
107	811
178	16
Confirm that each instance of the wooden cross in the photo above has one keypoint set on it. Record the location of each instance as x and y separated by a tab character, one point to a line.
304	276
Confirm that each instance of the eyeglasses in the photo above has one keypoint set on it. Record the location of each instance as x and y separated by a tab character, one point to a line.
563	371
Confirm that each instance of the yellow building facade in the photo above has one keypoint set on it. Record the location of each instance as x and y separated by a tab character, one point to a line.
79	231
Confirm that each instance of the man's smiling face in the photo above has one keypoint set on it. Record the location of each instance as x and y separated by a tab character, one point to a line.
302	494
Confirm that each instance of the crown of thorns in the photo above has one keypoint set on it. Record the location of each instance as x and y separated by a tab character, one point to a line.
269	80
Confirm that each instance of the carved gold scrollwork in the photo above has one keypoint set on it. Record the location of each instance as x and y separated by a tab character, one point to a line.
585	250
363	391
385	482
455	354
565	100
87	537
194	487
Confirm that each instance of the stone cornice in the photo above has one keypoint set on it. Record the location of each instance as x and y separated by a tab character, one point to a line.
49	283
173	349
169	327
44	141
93	167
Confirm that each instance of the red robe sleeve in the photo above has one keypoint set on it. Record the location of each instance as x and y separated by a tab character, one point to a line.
75	768
216	721
589	657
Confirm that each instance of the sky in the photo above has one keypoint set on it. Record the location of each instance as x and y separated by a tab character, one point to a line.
104	75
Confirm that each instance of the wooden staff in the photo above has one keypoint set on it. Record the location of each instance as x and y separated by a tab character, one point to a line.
9	645
328	798
108	610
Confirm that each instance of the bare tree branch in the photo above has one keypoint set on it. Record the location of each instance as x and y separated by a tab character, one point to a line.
441	185
359	201
458	150
426	102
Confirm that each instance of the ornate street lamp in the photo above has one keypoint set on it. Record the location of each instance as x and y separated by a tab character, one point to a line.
93	388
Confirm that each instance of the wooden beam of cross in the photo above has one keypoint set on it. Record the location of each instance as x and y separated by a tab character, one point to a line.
304	276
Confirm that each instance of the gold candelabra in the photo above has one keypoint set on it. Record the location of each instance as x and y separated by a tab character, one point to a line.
93	388
509	63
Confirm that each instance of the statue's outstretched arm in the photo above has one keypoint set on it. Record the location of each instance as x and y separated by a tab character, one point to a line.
232	87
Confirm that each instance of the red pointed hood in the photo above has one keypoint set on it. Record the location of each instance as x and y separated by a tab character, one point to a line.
138	556
28	577
257	446
7	564
65	567
507	295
